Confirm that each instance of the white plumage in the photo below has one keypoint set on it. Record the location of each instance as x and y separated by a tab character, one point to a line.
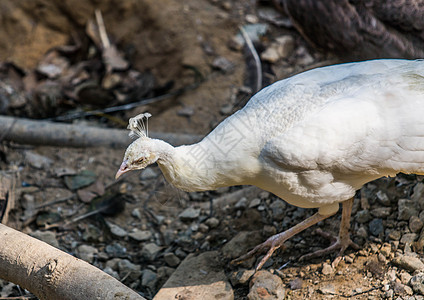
312	139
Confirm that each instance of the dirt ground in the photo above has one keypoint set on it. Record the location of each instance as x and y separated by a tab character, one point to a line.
171	38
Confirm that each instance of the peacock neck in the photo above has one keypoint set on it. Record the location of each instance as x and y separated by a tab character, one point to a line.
202	166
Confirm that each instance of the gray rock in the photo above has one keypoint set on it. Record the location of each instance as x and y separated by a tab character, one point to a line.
362	232
415	224
212	222
92	234
116	250
241	204
327	269
254	202
296	284
116	230
417	283
113	263
140	235
189	214
409	263
198	277
136	213
328	289
171	259
418	195
285	45
383	198
241	277
37	161
186	111
407	209
405	277
395	235
150	251
87	253
239	244
278	208
363	216
408	238
128	269
222	64
381	212
376	227
111	272
149	279
265	285
48	237
164	273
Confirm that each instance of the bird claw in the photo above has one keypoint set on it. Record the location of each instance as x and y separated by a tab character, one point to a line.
269	246
337	243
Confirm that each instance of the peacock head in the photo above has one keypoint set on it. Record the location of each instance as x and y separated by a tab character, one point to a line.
138	155
141	152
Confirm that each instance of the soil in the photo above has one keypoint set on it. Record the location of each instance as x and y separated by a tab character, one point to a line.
171	38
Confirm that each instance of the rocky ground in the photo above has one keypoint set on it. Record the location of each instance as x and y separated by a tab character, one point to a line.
165	243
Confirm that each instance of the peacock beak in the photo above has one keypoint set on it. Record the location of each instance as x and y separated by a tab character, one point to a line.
122	169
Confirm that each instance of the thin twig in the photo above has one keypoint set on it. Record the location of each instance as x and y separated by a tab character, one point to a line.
255	55
102	29
54	202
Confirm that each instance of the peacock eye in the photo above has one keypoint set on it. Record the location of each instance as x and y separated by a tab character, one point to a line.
139	161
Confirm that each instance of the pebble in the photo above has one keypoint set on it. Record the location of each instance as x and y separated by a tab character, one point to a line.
212	222
111	272
251	19
363	216
92	234
127	268
149	279
163	274
254	202
327	269
223	64
278	208
409	263
362	232
116	230
417	283
242	242
189	214
376	227
241	277
405	277
113	263
116	250
171	259
37	161
241	204
186	111
415	224
395	235
265	285
383	198
140	235
136	213
381	212
296	284
406	209
203	228
386	250
87	253
150	251
48	237
408	238
328	289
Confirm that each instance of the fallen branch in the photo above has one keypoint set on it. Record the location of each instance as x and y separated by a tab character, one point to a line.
25	131
50	273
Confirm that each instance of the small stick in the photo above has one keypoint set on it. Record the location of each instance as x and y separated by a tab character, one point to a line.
255	55
102	29
54	202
